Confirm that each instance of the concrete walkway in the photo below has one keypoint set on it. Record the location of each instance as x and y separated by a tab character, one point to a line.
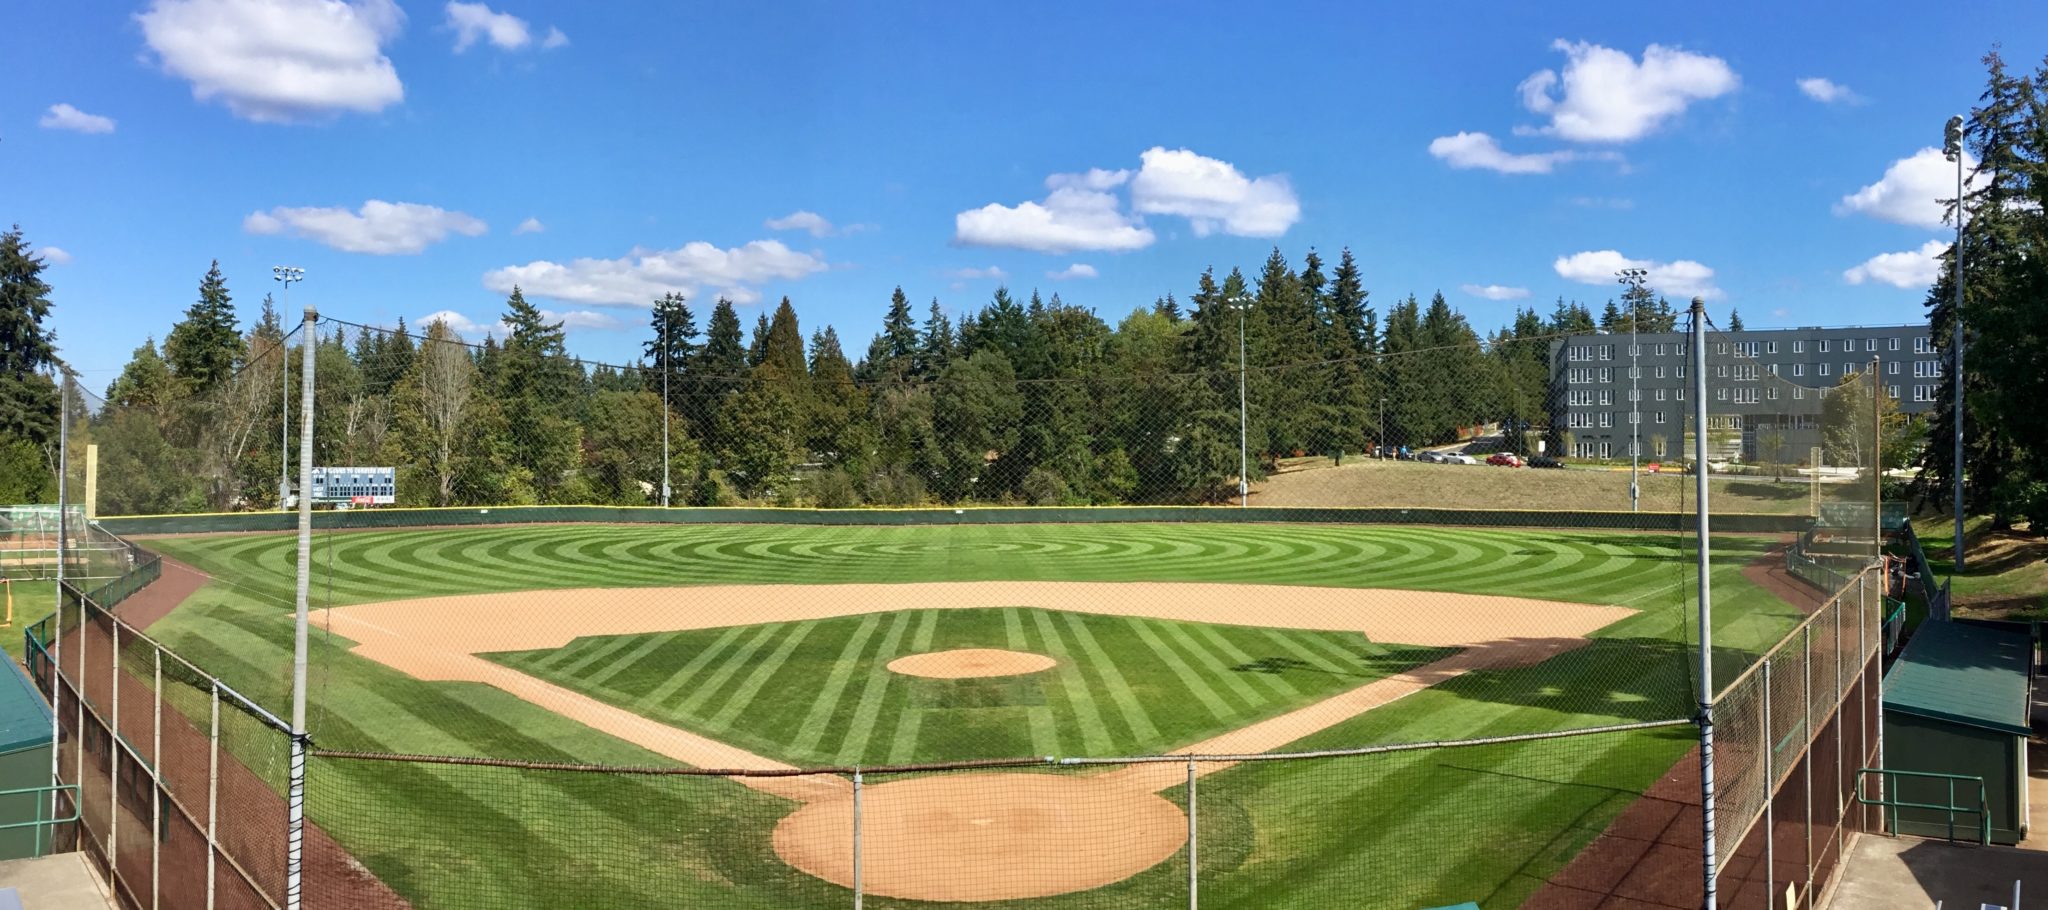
61	881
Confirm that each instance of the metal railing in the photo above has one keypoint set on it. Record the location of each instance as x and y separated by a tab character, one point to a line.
1886	778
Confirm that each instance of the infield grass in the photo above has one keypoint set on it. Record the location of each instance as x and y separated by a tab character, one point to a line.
1403	830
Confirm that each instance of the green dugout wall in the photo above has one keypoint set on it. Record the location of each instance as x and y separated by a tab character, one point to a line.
24	765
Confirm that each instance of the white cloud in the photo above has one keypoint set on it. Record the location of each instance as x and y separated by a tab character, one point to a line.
1071	218
379	228
582	319
802	220
642	274
1680	278
1610	97
1077	270
1495	291
1911	190
530	226
1213	195
54	255
66	117
1908	269
279	60
1827	91
1094	178
978	274
475	21
1479	150
461	325
554	39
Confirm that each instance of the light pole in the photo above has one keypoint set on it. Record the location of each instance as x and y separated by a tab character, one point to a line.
1241	303
286	275
1383	427
667	326
1634	279
1952	148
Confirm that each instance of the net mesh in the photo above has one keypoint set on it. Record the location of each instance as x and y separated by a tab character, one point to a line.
1011	576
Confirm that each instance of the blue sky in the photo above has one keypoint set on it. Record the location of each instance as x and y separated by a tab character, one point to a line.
394	151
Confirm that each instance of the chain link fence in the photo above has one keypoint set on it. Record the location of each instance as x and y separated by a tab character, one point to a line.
1071	617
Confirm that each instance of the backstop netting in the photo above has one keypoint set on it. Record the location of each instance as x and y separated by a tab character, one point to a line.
1037	611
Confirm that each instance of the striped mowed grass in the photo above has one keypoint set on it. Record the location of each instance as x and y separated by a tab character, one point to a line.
820	692
1410	829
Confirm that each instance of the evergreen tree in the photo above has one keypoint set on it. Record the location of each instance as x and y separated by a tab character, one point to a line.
28	396
673	348
899	340
1734	321
202	349
782	348
937	347
1611	319
757	343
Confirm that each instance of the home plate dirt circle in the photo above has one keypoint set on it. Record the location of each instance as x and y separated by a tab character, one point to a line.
971	663
985	837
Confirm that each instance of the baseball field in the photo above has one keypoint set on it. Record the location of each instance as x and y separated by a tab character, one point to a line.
762	649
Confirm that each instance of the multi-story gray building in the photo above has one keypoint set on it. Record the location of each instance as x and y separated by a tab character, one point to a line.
1765	387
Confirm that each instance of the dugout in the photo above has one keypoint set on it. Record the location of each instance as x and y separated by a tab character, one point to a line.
24	765
1957	702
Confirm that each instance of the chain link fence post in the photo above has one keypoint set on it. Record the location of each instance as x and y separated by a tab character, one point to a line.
856	840
156	781
1194	899
212	791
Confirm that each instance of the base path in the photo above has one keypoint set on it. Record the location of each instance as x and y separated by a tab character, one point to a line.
974	836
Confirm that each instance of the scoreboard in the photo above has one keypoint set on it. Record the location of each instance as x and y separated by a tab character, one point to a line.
355	486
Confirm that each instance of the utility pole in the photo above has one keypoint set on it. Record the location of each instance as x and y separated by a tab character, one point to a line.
1633	279
1241	303
1383	427
286	275
667	326
1952	148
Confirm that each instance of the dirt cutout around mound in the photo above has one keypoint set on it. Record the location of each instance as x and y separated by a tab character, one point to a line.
971	663
968	836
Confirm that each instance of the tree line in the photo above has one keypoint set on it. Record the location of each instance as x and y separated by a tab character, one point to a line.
1029	400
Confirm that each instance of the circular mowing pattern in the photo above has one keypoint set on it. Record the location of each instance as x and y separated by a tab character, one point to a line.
971	663
985	837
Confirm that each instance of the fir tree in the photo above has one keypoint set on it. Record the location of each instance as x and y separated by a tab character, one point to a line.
28	397
202	349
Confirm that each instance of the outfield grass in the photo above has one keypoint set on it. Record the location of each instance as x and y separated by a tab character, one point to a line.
1369	483
820	693
33	600
1413	829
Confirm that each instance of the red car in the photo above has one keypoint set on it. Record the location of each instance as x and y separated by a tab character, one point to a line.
1505	460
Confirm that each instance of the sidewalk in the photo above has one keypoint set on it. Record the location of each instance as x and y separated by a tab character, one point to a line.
61	881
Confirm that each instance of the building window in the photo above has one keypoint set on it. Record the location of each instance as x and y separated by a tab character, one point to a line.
1774	369
1869	344
1678	394
1770	347
1798	392
1774	393
1720	394
1607	352
1607	418
1606	374
1658	444
1820	369
1635	394
1660	394
1823	346
1635	417
1746	395
1721	371
1849	369
1660	419
1582	398
1681	371
1662	349
1607	450
1660	372
1579	352
1606	396
1926	369
1745	372
1799	347
1891	368
1923	393
1891	344
1893	391
1799	369
1923	345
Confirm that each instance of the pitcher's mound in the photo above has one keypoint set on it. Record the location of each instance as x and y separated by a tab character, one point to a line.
985	837
968	663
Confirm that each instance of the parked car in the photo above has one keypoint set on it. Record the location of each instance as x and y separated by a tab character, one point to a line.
1432	456
1545	461
1460	459
1504	460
